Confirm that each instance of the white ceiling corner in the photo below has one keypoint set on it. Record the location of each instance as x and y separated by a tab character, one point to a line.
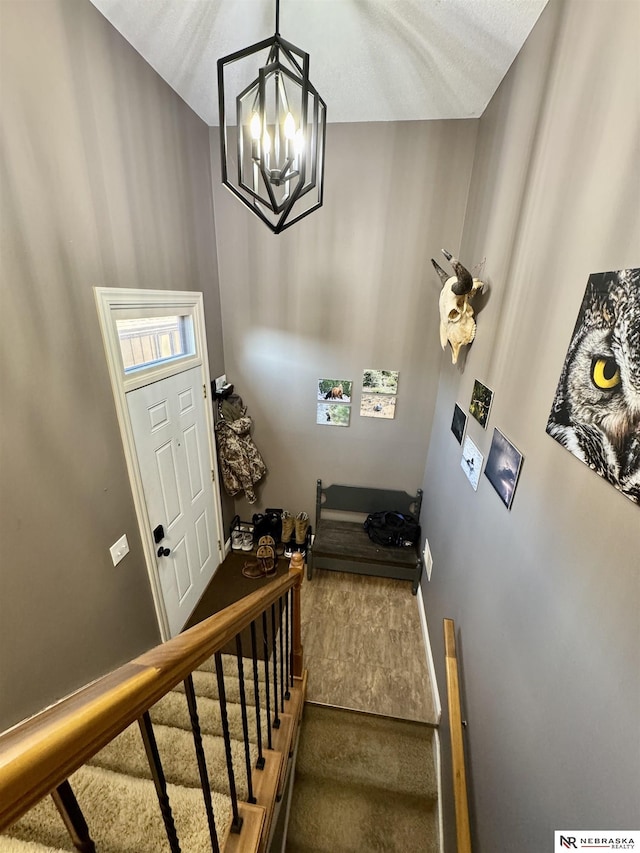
370	60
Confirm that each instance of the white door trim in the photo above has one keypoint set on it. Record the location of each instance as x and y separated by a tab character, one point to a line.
109	302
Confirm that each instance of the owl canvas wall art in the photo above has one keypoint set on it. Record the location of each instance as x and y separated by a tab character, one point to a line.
596	410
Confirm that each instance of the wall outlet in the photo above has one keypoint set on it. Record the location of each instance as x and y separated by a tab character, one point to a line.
428	560
119	550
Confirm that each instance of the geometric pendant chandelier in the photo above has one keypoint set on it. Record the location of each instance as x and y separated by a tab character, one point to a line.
272	144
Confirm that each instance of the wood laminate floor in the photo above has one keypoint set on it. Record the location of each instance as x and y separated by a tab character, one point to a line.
363	645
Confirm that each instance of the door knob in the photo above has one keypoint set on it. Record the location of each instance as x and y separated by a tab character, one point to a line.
163	552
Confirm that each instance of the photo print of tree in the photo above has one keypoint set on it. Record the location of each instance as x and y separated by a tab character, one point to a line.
480	405
595	409
379	390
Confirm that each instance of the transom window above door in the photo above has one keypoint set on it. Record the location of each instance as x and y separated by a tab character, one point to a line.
150	334
148	341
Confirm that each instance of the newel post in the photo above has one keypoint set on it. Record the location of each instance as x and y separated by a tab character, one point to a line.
296	566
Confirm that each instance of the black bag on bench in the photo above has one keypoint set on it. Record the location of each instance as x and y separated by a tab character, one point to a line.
392	529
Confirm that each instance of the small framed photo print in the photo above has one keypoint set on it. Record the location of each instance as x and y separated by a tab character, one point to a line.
458	423
379	393
480	405
334	390
503	467
378	406
380	381
471	462
333	414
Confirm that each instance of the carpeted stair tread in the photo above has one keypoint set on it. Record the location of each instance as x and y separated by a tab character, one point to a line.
332	817
206	686
126	754
378	752
172	710
124	816
230	665
14	845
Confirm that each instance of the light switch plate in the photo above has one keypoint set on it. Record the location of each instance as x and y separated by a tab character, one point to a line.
119	550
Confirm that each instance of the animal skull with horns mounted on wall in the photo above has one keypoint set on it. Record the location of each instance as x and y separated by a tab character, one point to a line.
457	325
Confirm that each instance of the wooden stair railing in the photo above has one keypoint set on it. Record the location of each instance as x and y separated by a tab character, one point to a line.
463	832
38	755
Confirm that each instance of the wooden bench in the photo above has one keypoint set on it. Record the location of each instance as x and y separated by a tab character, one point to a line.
344	546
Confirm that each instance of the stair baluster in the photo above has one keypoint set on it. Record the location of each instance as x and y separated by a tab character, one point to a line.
245	724
274	646
202	764
256	692
159	780
75	730
282	679
265	646
296	613
292	633
287	694
71	813
236	821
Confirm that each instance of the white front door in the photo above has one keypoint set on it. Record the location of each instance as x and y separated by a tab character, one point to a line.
169	425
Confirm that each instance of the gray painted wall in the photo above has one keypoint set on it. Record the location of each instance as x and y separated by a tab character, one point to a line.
102	185
346	289
105	182
545	597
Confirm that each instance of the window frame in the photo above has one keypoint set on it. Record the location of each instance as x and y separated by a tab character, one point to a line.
123	304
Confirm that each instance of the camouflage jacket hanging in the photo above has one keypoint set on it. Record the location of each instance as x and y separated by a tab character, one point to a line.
241	464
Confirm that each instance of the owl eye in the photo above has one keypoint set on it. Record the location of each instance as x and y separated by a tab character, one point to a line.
605	373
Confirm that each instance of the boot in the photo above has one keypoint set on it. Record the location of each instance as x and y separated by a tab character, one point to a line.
253	570
302	525
288	523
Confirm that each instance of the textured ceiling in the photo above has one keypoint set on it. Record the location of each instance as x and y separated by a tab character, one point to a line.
371	60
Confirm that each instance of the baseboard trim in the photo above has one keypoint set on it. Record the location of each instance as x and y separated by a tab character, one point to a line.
438	762
289	796
429	655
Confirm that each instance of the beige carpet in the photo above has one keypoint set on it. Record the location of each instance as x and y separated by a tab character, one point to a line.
117	796
363	784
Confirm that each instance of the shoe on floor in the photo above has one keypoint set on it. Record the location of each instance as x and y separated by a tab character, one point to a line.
252	570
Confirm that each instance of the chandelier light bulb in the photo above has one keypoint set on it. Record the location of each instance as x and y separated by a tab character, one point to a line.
255	126
289	127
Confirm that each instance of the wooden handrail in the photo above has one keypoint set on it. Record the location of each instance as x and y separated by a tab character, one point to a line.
461	802
39	754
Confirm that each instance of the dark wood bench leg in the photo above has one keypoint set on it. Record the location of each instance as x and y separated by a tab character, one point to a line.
416	581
